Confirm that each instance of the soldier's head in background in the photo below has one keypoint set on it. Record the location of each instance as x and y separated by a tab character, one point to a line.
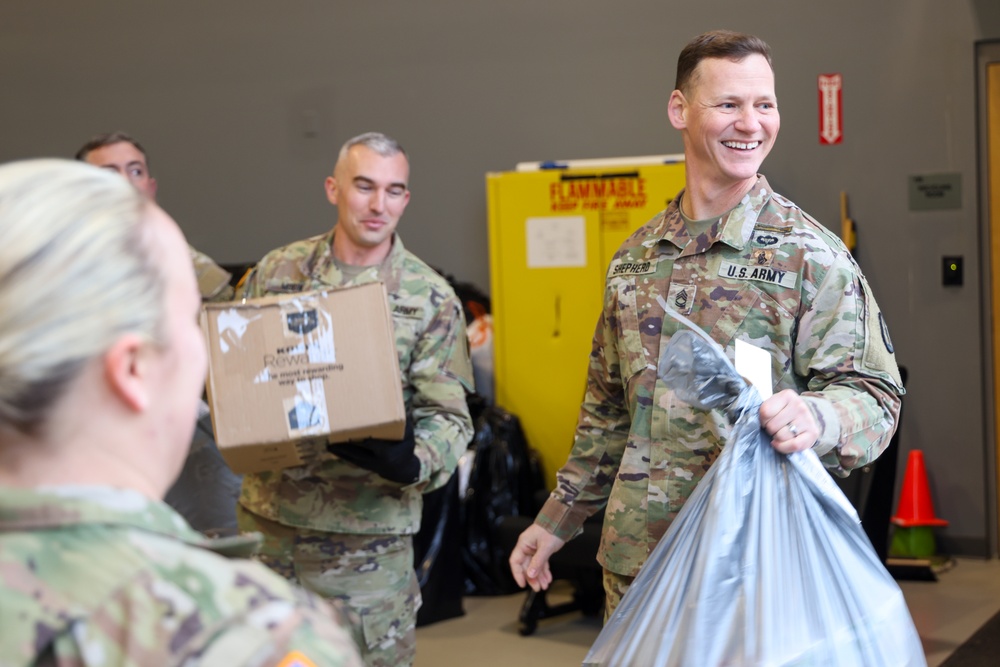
370	188
119	152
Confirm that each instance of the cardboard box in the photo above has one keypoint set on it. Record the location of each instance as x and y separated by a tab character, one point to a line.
288	367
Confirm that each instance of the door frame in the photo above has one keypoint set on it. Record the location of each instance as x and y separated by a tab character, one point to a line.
987	53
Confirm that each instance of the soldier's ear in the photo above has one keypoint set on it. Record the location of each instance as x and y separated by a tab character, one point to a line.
677	110
127	371
330	185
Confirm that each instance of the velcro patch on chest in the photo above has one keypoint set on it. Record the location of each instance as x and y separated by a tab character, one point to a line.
681	298
762	273
762	257
403	310
766	239
633	268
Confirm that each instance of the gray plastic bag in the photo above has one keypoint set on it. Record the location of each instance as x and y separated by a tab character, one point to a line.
766	563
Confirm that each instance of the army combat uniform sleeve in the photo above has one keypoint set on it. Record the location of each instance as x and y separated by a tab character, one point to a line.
440	373
433	350
584	483
852	385
254	285
213	280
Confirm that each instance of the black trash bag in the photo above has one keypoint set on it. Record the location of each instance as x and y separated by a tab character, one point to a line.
505	477
437	552
766	563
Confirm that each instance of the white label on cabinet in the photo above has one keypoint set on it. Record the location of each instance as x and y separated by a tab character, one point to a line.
557	241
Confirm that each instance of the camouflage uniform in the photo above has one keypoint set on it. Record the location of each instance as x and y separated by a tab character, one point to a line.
350	528
213	280
765	273
102	576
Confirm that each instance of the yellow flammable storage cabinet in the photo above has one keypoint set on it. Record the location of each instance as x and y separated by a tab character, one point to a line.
553	230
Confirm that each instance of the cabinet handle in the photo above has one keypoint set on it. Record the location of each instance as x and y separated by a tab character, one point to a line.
555	331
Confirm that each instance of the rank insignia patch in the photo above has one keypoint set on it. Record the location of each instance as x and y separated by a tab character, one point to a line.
681	298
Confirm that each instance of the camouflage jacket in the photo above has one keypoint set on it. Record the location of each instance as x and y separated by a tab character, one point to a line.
765	273
213	280
334	495
101	576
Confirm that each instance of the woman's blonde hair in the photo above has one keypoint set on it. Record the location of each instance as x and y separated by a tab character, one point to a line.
76	272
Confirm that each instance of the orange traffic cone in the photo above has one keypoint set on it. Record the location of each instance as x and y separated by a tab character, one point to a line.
915	506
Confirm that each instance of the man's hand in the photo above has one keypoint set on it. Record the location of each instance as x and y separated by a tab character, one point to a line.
393	460
789	422
529	562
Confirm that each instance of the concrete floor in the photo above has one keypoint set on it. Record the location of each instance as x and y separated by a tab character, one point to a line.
949	611
945	612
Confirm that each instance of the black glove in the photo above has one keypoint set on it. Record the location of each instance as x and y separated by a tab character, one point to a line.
393	460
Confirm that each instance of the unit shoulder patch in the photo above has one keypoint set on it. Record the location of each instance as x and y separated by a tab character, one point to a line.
296	659
879	352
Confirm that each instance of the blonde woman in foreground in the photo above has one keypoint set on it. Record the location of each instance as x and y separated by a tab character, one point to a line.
102	364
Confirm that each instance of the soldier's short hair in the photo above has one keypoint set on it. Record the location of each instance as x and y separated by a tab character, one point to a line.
726	44
77	270
107	139
383	145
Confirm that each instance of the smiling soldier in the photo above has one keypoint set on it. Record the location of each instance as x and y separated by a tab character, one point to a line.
742	263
